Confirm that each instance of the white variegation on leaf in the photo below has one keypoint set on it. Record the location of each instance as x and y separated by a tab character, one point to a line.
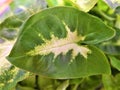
5	49
52	57
61	45
85	5
113	3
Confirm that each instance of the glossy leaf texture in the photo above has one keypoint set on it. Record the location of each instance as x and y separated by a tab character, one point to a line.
56	43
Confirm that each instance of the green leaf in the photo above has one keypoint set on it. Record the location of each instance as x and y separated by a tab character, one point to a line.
52	3
45	83
53	43
30	81
117	23
111	49
63	86
15	21
10	22
90	83
10	77
109	82
102	5
117	11
84	5
19	87
117	78
15	4
115	62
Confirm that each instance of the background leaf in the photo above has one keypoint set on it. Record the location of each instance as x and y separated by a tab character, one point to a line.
113	3
64	85
80	4
115	62
109	82
9	75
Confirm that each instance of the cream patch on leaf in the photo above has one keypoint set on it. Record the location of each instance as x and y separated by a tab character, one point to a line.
63	45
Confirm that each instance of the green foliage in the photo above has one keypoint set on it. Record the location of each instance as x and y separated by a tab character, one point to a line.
9	74
10	77
51	31
65	47
113	3
80	4
29	81
10	22
111	82
115	62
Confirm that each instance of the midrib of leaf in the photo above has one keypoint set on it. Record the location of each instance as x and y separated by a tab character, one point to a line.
58	46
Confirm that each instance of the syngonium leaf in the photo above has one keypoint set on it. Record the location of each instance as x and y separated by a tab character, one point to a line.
56	43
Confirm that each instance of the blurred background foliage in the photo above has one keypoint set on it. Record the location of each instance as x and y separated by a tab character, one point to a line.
13	13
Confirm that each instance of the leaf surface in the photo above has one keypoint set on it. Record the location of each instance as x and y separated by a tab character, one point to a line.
115	62
56	43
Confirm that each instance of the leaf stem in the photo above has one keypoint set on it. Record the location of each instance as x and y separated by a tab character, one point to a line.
101	13
36	83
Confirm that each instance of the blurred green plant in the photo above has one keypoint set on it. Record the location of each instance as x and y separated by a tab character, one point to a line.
84	5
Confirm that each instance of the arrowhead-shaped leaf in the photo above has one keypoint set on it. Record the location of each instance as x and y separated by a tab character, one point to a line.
55	43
